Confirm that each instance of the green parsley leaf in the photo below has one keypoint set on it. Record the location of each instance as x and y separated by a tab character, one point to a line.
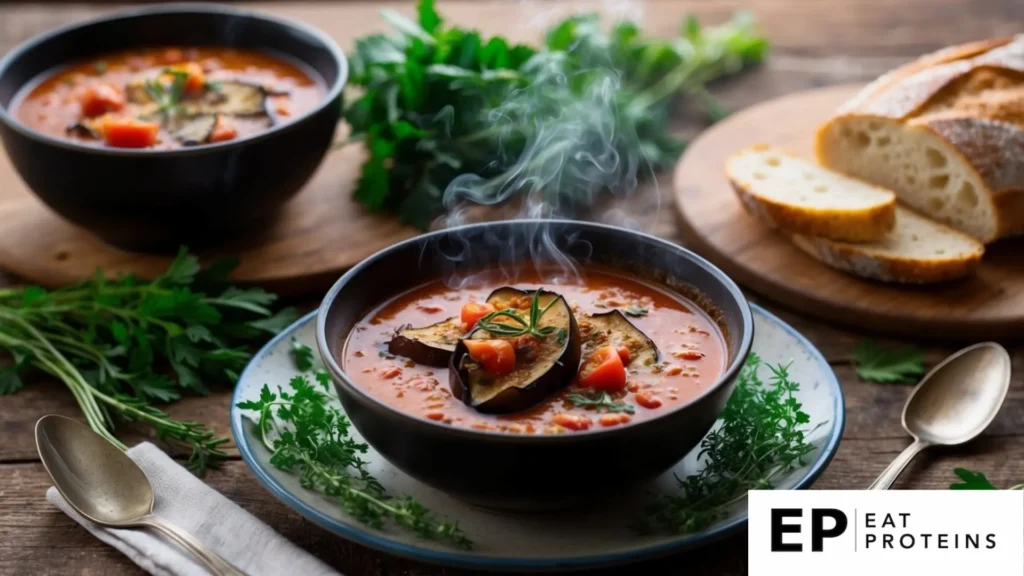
879	363
971	481
302	355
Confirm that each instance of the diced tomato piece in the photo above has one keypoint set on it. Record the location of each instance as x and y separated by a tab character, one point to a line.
99	99
647	400
497	356
572	421
603	370
389	373
173	56
613	419
436	416
624	355
129	133
474	311
223	130
196	76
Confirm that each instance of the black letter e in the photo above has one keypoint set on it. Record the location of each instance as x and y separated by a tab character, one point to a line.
778	529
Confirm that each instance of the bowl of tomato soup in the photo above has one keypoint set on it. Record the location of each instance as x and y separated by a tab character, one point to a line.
171	124
502	362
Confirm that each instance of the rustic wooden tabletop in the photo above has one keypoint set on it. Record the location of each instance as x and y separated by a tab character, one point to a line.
815	43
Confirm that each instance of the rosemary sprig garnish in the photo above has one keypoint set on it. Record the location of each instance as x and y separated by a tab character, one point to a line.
601	402
168	99
529	325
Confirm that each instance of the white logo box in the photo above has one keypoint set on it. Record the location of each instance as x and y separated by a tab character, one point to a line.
898	532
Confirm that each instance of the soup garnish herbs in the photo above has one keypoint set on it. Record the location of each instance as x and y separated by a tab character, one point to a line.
168	97
306	433
535	358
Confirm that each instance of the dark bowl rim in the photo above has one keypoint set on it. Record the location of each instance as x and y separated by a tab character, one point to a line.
339	376
199	8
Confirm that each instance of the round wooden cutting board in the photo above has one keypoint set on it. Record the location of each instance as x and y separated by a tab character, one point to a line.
320	233
989	305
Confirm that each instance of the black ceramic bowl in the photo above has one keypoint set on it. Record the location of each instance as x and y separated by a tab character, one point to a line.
158	199
530	471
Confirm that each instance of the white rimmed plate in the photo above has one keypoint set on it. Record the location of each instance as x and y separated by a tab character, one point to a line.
506	541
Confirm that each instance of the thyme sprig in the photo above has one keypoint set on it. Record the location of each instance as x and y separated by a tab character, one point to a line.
306	434
763	434
168	98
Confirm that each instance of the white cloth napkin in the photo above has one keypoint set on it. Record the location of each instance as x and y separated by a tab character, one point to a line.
220	524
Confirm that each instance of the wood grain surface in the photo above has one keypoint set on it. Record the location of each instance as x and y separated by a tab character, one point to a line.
989	304
815	43
318	234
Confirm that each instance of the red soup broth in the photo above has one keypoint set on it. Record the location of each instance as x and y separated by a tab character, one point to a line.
692	355
98	91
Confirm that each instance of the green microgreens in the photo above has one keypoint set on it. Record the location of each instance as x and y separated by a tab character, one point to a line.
308	435
302	355
601	402
529	325
762	434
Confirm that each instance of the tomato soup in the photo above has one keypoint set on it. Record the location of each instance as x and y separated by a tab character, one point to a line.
165	98
641	351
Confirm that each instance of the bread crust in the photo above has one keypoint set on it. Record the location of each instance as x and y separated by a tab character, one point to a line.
985	129
848	224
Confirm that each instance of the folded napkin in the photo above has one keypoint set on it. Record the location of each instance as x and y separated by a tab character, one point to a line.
185	501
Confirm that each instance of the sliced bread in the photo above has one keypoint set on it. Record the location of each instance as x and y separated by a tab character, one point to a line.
800	197
916	251
946	133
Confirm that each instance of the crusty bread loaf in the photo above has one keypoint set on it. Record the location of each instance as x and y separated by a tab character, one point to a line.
916	251
946	133
801	197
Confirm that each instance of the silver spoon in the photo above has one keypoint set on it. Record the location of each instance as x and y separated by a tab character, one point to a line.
106	486
953	403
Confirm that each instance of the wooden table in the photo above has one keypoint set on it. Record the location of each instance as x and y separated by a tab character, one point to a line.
815	43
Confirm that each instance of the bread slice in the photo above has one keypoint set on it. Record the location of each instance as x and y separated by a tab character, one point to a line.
945	133
916	251
800	197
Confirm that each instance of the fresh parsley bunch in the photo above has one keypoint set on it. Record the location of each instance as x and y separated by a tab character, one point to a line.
439	102
122	345
762	434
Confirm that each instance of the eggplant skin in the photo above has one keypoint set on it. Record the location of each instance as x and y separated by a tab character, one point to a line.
427	345
619	330
518	398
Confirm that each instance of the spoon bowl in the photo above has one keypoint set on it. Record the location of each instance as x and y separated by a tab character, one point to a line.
107	487
953	404
960	397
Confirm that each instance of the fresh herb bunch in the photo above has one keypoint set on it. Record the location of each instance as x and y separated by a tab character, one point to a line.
601	402
970	480
879	363
439	102
110	340
307	434
762	434
519	326
168	98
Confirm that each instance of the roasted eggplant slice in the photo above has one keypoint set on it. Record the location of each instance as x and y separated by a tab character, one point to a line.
543	365
613	328
431	345
191	130
232	98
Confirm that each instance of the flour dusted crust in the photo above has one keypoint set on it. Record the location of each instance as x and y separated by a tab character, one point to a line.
946	133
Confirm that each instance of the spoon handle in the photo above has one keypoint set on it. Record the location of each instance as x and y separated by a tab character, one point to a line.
217	564
885	480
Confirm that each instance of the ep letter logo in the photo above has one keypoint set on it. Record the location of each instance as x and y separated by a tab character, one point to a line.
790	521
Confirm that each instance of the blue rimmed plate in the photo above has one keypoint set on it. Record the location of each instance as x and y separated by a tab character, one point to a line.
505	541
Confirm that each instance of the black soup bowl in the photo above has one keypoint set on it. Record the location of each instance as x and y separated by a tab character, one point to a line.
531	471
158	199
